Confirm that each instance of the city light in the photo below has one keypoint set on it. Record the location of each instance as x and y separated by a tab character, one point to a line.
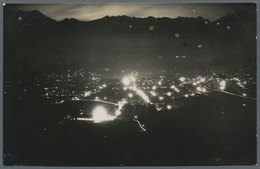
222	85
169	107
100	114
186	95
153	93
169	93
142	94
133	79
87	94
199	89
160	83
182	79
126	81
161	98
154	87
130	95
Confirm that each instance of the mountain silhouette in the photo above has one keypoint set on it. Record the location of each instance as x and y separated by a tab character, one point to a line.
187	44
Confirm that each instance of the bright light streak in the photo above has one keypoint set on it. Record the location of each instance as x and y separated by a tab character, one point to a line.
142	94
130	95
126	81
182	79
169	107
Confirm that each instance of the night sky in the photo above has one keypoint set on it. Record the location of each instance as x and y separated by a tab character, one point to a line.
92	11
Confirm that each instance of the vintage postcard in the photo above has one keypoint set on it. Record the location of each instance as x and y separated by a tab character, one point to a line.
129	84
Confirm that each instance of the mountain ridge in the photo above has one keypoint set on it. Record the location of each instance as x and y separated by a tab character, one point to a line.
49	42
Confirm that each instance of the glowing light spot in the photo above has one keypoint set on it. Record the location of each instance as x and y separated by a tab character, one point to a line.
130	95
169	107
96	98
203	90
87	94
177	57
161	98
222	85
100	114
194	83
182	79
160	83
126	81
244	104
202	79
200	46
244	94
199	89
136	117
169	93
154	87
104	85
125	88
134	88
186	95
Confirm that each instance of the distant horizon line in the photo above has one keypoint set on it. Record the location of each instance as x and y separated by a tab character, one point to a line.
110	16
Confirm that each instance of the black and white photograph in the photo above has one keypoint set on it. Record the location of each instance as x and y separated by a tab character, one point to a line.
129	84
